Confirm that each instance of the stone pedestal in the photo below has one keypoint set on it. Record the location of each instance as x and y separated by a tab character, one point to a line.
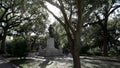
50	43
50	50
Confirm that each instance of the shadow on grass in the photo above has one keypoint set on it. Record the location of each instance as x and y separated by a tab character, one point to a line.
56	63
99	64
45	63
21	61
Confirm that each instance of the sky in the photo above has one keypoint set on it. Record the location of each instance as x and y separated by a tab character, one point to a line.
54	10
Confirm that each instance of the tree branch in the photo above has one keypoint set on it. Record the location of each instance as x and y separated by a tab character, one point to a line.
4	13
55	4
71	12
14	24
65	16
99	20
114	8
2	5
54	15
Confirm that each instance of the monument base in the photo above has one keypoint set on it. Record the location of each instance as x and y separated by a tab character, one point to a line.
50	50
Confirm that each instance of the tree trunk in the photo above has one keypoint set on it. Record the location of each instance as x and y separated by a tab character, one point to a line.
105	40
105	45
33	44
76	52
3	44
76	59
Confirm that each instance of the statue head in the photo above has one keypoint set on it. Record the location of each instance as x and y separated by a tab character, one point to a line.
51	31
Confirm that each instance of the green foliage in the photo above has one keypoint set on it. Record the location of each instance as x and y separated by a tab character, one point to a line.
18	47
22	17
66	49
85	50
60	35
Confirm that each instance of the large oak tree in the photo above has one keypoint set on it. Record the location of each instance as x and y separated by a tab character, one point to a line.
73	15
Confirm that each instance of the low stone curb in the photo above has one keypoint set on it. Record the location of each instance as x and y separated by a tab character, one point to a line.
113	59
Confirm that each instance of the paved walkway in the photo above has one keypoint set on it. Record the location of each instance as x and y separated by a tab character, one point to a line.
4	63
7	65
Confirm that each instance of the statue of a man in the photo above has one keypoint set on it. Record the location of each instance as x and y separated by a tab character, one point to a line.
51	31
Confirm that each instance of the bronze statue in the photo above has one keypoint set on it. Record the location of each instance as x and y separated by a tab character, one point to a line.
51	31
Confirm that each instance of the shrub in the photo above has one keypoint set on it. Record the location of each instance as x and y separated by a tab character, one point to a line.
18	48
